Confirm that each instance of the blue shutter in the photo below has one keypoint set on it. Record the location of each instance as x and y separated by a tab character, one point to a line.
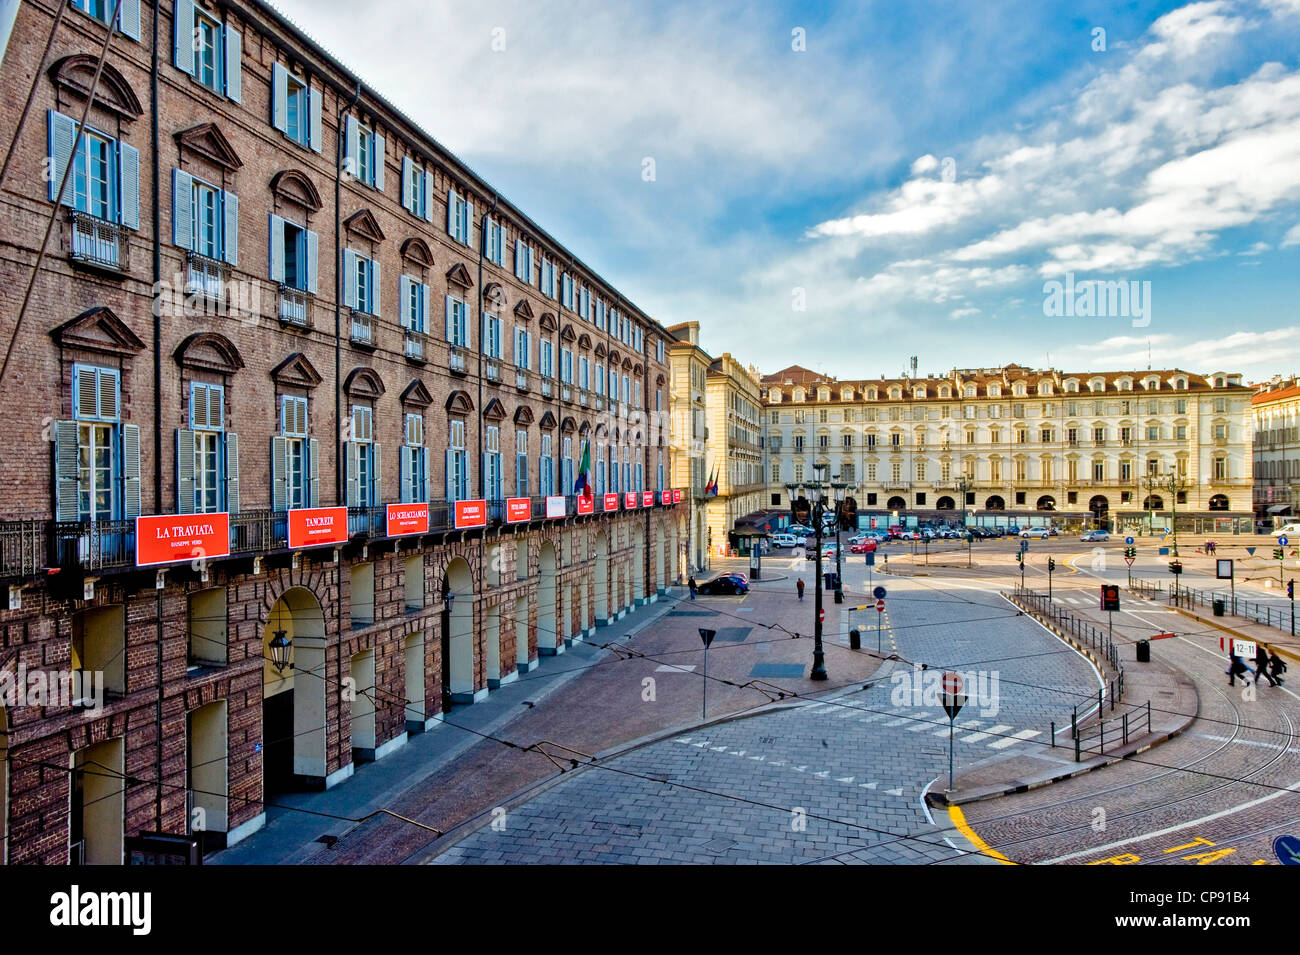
128	19
379	162
312	243
183	36
351	145
406	193
62	140
349	278
232	473
279	472
182	209
280	98
230	237
426	198
184	471
131	471
66	503
234	59
275	230
376	287
315	133
128	178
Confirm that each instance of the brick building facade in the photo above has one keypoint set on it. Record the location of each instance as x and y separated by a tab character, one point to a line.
266	294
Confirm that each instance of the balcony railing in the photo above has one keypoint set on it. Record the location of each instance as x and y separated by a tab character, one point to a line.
293	307
414	345
492	369
97	242
566	393
521	380
22	548
456	360
546	388
363	329
582	397
205	277
94	545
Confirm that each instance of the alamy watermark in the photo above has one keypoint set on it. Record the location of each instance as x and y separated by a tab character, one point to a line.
924	687
82	688
1098	298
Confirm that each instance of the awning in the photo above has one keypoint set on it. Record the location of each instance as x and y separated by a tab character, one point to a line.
1279	508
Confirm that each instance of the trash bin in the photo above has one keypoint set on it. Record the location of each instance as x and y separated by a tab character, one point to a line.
1218	608
1144	651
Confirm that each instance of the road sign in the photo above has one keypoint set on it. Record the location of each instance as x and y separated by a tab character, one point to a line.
707	636
880	606
878	593
1250	551
1282	541
871	558
1129	541
1110	597
953	698
821	615
1287	849
1242	648
1223	569
1129	560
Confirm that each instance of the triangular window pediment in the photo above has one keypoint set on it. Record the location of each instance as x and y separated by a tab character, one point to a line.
296	371
365	225
459	275
100	330
417	395
524	415
548	421
208	141
523	310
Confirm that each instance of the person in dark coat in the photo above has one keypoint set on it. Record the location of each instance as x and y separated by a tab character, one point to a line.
1236	668
1261	666
691	583
1276	665
798	585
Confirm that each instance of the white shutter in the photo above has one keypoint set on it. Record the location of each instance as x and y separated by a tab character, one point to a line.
230	243
128	178
352	145
128	19
232	473
427	199
182	209
449	303
404	300
451	212
407	193
62	138
234	61
379	162
276	246
279	456
469	222
313	486
184	471
313	249
316	135
424	309
130	471
66	455
349	278
376	287
183	36
280	98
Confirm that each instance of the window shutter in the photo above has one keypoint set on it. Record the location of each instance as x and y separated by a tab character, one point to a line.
66	504
427	198
230	247
234	60
313	249
451	212
424	309
276	245
405	458
182	209
451	475
354	465
107	390
184	471
408	193
128	19
376	287
62	139
128	184
469	222
315	134
451	318
349	278
232	473
280	98
131	471
279	459
198	406
183	36
313	483
379	162
352	147
376	476
404	286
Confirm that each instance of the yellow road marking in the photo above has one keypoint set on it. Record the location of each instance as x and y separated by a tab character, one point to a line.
959	820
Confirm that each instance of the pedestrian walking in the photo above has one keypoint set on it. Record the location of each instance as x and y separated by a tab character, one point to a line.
798	585
692	585
1236	668
1276	665
1261	666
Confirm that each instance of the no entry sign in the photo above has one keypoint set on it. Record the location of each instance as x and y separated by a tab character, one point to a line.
953	698
880	606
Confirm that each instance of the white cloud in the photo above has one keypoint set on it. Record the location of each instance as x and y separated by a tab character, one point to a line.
1292	237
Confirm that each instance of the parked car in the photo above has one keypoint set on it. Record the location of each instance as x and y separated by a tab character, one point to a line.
799	530
864	546
1041	533
1288	530
724	585
828	553
1095	535
786	540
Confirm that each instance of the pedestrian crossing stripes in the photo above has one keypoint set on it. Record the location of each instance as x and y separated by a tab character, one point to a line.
1015	738
992	731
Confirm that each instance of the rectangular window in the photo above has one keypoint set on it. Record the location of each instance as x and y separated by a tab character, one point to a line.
1099	470
492	463
205	220
547	363
548	278
414	462
493	330
546	467
293	255
495	240
523	262
523	349
457	322
457	462
566	291
566	366
205	49
521	463
414	297
460	217
417	189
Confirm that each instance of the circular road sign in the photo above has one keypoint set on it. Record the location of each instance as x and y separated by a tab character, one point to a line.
880	606
1128	540
1287	849
821	616
952	683
1282	541
878	593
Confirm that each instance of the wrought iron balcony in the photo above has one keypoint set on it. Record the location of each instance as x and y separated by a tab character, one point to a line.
22	548
294	306
363	329
521	380
414	345
492	369
456	360
205	276
97	242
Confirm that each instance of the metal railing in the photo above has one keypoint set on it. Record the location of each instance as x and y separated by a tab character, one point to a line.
456	360
293	306
363	328
546	388
492	369
414	344
1189	597
96	241
1133	723
206	276
94	545
22	548
521	380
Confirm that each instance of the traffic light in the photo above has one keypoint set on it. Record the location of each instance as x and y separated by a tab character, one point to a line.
1277	553
1290	589
1175	566
1110	597
1051	564
1130	551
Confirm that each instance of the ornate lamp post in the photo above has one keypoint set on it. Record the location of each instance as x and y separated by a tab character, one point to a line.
1175	486
964	484
843	510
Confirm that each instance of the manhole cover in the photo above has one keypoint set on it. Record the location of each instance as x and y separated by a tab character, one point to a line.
717	846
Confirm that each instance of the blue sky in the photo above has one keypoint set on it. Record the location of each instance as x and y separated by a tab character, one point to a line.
903	185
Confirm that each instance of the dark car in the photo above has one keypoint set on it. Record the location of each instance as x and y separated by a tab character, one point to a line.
724	585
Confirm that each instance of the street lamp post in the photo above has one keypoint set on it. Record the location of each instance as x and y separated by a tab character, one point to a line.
1175	486
841	509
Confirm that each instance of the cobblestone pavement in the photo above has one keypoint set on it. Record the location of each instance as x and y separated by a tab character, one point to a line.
837	781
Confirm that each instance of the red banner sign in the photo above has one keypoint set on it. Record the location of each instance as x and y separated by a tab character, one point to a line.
471	514
629	500
677	495
586	504
518	509
666	497
167	538
611	502
647	498
407	519
315	526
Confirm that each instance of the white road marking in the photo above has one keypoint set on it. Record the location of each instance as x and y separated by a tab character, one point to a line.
899	722
923	725
1015	738
675	668
894	792
866	785
872	718
991	731
961	727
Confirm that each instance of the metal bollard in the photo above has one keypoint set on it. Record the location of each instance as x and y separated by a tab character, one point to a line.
1053	734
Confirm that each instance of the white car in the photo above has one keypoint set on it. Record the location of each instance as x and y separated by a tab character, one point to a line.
1042	533
1288	530
786	540
1096	535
